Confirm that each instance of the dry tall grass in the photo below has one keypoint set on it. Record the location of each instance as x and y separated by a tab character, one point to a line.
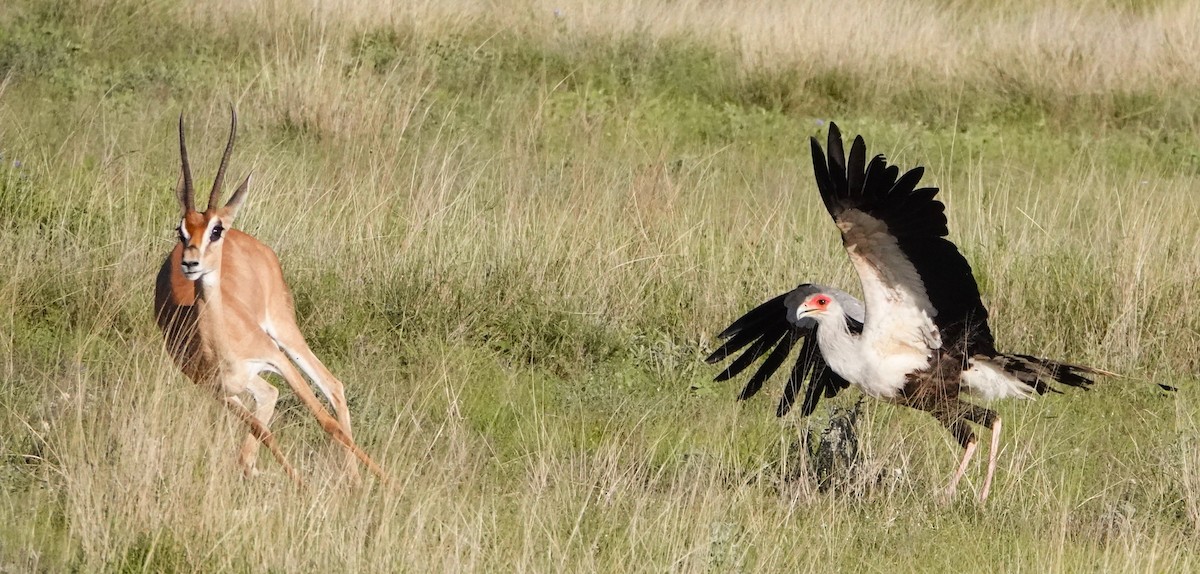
1090	46
517	276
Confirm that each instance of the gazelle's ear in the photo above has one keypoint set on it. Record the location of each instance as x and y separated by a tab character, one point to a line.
235	201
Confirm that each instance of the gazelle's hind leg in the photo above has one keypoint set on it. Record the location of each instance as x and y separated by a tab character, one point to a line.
327	422
292	342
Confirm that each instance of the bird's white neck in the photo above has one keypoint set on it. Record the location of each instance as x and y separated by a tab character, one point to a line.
859	361
841	348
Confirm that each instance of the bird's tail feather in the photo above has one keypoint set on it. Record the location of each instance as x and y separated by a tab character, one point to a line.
1038	372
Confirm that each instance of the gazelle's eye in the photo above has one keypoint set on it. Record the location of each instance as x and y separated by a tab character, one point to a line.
216	233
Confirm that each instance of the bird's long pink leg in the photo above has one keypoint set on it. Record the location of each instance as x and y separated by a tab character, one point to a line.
992	456
962	469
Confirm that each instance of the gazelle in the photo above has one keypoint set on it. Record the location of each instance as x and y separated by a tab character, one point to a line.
226	315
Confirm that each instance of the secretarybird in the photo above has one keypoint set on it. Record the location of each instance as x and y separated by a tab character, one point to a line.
922	338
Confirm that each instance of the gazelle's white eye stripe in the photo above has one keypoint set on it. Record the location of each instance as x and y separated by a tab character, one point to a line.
183	234
209	230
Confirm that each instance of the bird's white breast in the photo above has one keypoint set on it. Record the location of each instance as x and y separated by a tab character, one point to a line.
878	368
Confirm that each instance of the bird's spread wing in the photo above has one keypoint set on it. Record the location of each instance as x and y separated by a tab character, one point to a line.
772	329
919	290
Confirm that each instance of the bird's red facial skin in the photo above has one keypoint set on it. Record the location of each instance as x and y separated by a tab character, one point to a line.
818	302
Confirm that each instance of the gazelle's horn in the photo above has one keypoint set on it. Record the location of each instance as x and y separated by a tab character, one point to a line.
184	190
215	196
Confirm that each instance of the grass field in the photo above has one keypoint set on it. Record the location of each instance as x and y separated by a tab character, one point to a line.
514	230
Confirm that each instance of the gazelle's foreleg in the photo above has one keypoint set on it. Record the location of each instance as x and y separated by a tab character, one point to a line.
265	396
262	433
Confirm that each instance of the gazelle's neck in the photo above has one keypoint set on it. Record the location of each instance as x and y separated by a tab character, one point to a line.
208	288
210	308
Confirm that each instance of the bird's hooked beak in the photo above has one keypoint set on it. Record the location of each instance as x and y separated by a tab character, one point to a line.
804	311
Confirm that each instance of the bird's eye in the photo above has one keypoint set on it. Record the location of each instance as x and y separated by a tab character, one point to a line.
823	301
216	233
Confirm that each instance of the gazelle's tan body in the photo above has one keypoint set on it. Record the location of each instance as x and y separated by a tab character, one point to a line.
244	290
226	315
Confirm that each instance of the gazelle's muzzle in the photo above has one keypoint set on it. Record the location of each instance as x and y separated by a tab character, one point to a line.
190	267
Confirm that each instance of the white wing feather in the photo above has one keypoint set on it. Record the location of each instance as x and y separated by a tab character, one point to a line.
899	329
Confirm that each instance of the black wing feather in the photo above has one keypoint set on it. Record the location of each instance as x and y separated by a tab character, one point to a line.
767	330
918	221
907	183
770	337
737	343
764	313
806	363
769	366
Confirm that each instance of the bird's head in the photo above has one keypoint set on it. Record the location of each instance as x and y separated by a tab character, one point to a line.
818	305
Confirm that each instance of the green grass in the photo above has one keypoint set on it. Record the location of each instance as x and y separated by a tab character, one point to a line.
514	235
